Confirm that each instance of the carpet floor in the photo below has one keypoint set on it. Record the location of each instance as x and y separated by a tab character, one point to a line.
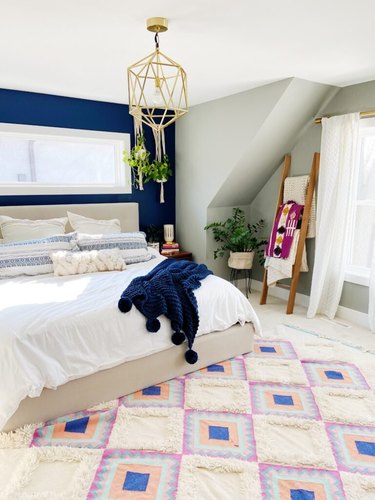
293	420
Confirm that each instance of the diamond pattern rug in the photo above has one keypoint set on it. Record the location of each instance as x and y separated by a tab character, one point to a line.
293	420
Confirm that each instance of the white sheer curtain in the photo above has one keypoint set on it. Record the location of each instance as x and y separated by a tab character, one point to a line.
371	299
337	176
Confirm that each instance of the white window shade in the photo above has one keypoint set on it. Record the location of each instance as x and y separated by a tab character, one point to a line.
36	160
363	233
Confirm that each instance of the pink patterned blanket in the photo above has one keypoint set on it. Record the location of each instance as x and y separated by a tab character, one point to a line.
283	229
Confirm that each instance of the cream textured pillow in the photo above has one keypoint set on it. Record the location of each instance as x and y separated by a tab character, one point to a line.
26	229
66	263
93	226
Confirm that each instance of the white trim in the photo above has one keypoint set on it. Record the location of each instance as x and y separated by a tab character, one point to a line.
345	313
358	275
121	142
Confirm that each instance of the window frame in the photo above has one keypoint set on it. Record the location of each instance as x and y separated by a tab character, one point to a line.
120	141
360	275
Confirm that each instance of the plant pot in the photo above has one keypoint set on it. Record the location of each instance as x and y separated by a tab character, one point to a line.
241	260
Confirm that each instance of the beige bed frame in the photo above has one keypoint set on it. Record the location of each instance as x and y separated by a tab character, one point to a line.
133	375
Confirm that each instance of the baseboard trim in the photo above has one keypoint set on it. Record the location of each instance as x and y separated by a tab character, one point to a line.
345	313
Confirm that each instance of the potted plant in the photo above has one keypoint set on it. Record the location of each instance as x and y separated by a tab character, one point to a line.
154	236
158	171
239	237
138	160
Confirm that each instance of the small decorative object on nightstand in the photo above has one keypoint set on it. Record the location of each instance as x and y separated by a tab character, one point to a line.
180	255
168	233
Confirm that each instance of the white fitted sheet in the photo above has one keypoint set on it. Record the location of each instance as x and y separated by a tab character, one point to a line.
56	329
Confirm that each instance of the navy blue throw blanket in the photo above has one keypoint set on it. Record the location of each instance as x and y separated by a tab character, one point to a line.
168	289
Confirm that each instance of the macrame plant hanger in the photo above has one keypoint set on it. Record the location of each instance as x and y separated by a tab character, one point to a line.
167	79
138	132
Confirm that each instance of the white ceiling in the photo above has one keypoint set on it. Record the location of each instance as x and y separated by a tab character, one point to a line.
81	48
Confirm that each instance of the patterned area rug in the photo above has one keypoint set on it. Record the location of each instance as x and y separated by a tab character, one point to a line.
293	420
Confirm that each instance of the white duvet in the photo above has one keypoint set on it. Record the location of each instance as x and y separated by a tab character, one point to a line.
56	329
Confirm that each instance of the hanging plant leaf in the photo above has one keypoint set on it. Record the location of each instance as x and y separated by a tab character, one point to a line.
138	160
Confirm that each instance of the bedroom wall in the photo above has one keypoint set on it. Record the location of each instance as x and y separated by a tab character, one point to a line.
226	150
29	108
348	99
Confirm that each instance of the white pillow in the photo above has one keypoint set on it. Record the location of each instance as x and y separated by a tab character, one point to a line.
26	229
93	226
133	246
32	257
67	263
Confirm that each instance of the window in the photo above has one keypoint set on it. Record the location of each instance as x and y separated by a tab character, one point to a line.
363	236
45	160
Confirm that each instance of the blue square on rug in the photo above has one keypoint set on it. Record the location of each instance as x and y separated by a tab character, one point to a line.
273	349
353	446
215	368
78	425
264	348
334	375
283	400
301	495
217	432
290	483
365	448
152	391
135	475
134	481
84	429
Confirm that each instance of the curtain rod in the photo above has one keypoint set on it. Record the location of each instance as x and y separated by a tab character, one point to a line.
362	114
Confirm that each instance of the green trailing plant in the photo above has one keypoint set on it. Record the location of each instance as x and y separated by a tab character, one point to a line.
158	170
236	235
143	170
139	160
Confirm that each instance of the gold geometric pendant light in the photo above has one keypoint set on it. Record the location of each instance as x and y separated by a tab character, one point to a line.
157	86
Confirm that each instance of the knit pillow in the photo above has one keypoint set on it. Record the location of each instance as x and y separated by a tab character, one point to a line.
133	246
67	263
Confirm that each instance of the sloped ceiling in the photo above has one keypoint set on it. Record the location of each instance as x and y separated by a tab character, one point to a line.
277	135
227	149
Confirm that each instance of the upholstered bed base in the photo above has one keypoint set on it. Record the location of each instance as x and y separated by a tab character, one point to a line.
131	376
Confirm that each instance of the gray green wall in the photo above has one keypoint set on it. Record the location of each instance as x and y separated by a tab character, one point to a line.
229	153
349	99
226	150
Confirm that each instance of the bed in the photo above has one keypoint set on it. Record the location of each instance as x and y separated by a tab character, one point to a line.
65	346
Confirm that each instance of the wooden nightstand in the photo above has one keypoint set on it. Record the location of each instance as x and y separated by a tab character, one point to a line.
180	255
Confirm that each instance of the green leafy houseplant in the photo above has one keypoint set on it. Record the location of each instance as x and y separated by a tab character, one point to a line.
154	233
138	160
236	235
144	170
158	171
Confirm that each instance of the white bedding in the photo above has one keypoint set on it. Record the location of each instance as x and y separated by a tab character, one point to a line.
56	329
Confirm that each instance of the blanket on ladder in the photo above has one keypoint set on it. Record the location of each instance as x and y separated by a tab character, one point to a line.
168	289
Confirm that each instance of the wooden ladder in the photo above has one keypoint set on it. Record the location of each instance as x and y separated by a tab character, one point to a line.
302	237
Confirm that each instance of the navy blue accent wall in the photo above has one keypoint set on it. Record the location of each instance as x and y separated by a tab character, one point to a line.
30	108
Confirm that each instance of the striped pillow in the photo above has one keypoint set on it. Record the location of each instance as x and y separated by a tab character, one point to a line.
32	257
133	246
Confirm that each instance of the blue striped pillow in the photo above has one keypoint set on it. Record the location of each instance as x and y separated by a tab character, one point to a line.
133	246
32	257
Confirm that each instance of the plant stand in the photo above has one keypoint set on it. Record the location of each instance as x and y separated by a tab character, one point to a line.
235	275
